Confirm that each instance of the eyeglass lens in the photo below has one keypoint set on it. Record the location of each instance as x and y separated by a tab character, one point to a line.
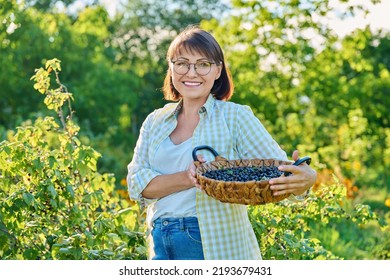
201	67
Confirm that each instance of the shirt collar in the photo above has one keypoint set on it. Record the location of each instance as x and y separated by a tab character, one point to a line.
178	108
206	108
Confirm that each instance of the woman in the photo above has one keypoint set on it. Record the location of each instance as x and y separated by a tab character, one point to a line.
185	223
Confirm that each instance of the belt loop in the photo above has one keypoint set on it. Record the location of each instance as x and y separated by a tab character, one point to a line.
181	221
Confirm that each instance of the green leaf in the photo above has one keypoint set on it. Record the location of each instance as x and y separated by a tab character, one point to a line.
52	161
70	191
54	204
30	254
108	253
28	198
52	191
64	251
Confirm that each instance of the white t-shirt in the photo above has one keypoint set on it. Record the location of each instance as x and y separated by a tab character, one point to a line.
171	158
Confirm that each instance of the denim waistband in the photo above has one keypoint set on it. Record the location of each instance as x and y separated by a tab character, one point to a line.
180	223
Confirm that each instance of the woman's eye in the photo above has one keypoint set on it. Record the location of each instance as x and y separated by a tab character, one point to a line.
181	64
204	64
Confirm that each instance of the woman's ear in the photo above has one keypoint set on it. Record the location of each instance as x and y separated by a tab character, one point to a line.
219	71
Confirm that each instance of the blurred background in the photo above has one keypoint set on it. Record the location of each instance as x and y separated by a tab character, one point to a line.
316	73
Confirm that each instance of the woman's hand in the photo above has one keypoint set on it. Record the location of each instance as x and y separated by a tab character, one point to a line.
191	172
302	178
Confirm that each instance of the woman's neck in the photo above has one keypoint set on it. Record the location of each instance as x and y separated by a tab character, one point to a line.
191	107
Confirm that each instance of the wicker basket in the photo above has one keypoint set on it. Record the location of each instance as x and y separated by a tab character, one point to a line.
248	193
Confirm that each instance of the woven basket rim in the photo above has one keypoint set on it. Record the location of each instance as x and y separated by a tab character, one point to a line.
261	187
249	192
220	159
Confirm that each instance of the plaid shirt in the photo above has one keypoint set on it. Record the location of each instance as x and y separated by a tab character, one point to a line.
234	132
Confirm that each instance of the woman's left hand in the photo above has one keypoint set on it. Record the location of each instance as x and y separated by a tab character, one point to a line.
302	178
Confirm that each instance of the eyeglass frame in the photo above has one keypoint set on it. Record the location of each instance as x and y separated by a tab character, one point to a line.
189	67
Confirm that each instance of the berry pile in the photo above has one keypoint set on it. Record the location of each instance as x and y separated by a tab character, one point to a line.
244	174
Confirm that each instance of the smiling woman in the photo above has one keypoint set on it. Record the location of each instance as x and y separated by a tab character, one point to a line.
184	222
196	81
205	53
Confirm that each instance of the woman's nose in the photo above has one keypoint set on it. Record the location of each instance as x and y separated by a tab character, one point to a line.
192	70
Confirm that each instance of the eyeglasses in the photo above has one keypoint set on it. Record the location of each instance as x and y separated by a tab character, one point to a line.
202	68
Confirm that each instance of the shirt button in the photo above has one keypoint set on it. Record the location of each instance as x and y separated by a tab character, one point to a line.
165	223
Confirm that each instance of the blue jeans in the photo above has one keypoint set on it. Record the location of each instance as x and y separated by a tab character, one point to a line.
177	239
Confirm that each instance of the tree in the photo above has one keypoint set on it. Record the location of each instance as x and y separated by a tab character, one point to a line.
349	102
145	30
48	5
312	90
83	43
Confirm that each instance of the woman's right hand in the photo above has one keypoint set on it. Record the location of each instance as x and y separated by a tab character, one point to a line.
191	172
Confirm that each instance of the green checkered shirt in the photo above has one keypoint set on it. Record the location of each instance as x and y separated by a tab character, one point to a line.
234	132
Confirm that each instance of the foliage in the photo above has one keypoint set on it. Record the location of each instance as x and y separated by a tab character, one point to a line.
323	95
290	230
47	4
352	87
113	62
54	204
315	92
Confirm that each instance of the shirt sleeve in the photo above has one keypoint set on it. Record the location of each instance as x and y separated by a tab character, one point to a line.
139	170
254	141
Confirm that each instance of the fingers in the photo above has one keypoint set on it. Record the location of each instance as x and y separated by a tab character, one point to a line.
291	170
283	185
194	181
192	171
288	188
192	176
300	180
295	155
300	174
201	158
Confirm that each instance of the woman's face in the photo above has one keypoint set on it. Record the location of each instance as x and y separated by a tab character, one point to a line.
193	85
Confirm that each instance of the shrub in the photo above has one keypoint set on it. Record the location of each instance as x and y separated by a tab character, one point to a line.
54	204
300	231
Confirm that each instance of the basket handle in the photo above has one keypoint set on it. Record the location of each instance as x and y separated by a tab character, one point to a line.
298	162
204	147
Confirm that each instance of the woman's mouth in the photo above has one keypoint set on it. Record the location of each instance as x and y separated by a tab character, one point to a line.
192	84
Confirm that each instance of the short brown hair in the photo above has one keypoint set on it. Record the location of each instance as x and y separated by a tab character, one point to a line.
194	39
